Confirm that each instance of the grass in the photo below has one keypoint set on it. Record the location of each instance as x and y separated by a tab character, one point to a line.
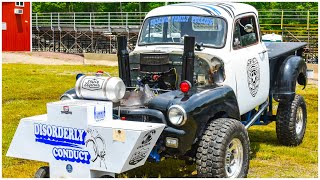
27	88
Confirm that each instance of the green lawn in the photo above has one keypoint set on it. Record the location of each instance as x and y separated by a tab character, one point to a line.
27	88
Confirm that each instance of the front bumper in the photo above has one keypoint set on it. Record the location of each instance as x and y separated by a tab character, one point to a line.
156	116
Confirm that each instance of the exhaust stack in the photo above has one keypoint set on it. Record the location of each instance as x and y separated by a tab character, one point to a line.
188	59
123	60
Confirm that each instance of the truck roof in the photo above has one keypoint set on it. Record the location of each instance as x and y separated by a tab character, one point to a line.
227	10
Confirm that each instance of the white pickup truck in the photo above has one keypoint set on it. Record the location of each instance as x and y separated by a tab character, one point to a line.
202	75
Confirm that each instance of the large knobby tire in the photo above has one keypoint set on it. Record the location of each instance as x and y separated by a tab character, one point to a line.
42	172
106	176
291	121
223	150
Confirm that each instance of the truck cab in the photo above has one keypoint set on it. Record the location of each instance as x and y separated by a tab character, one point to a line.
230	40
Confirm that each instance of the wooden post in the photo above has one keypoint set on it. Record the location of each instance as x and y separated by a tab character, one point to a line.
39	48
109	28
52	29
308	16
59	28
282	23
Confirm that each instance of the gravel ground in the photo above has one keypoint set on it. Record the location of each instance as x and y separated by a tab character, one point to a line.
51	58
314	79
48	58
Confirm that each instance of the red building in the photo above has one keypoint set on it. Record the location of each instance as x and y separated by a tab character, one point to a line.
16	26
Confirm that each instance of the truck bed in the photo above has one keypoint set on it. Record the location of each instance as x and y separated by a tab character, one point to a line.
278	52
278	49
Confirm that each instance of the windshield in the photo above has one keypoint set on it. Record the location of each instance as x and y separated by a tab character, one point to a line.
171	30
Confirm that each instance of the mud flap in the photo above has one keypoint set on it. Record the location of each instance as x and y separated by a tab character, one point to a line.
79	138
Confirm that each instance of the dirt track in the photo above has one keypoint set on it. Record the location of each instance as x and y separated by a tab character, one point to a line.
314	67
51	58
48	58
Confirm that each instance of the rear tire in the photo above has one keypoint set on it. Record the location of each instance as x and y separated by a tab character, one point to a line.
107	176
42	172
291	121
223	150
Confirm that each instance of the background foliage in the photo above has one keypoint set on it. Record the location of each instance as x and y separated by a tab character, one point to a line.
38	7
42	7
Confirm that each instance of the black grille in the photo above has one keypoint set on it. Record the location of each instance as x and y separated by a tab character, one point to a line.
153	62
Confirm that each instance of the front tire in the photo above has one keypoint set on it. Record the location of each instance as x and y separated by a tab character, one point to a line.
291	121
42	172
223	150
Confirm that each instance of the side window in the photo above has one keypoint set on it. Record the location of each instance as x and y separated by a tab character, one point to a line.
245	32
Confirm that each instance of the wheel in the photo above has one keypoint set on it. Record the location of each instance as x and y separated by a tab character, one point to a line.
42	172
291	121
223	150
107	176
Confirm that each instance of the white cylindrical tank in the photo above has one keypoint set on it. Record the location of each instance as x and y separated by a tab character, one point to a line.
100	88
271	38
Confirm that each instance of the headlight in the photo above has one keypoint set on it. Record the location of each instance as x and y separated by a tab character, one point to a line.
66	97
177	115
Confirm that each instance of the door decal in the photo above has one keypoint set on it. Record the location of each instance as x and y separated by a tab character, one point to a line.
253	72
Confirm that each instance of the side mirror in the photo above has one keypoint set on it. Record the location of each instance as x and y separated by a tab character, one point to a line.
248	28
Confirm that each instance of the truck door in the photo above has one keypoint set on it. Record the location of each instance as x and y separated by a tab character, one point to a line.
250	63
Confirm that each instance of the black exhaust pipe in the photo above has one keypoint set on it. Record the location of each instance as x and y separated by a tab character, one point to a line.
123	60
188	59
